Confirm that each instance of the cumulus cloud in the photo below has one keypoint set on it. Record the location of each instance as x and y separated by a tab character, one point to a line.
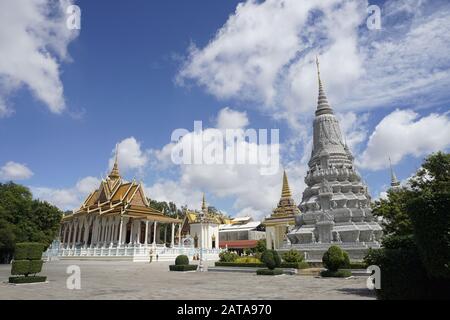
252	192
67	198
34	40
264	53
130	155
231	119
15	171
403	133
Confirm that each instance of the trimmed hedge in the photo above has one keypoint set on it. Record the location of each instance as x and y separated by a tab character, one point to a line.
32	279
235	264
336	274
20	267
335	258
293	256
181	260
186	267
358	265
271	259
29	250
27	260
269	272
293	265
36	266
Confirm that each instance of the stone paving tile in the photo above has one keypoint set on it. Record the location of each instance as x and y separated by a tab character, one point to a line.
127	280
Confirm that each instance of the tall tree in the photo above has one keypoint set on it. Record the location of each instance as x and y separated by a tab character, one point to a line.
24	219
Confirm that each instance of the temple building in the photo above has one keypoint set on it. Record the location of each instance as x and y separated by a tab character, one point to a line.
236	234
282	218
114	220
205	229
336	203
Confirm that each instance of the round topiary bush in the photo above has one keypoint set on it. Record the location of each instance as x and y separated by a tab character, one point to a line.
335	258
181	260
271	259
293	256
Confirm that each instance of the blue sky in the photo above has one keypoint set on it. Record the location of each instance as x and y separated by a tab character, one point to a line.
139	69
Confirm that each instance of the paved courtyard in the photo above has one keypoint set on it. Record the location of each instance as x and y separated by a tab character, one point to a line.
128	280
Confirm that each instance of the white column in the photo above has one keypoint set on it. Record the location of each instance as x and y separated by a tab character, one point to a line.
179	234
139	224
69	239
131	232
165	233
154	232
146	232
120	231
172	242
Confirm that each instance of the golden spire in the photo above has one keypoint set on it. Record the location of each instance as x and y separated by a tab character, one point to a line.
115	170
286	191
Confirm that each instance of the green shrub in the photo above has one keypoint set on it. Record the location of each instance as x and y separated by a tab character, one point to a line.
269	272
228	256
430	214
336	274
358	265
186	267
346	260
271	259
236	264
181	260
21	252
293	256
31	279
334	259
20	267
35	266
247	260
29	250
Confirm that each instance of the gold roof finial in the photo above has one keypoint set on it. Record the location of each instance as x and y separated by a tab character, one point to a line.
286	191
115	170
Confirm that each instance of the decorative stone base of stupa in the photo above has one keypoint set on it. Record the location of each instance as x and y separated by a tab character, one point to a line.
313	252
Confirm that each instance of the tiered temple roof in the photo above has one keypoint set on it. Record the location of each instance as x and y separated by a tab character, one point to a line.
116	196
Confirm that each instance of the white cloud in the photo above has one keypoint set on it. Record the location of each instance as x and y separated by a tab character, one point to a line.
231	119
67	198
264	53
252	193
403	133
130	155
15	171
5	110
34	40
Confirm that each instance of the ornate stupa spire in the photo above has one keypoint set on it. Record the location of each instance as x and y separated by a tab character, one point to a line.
394	181
286	205
336	203
323	107
285	191
203	203
115	170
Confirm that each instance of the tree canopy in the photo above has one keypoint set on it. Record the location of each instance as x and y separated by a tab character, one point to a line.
24	219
